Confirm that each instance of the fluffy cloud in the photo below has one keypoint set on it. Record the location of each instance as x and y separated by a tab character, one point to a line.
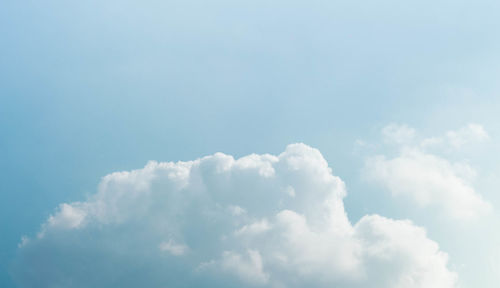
257	221
427	178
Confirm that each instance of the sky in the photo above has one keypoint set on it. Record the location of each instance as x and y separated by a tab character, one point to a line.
267	143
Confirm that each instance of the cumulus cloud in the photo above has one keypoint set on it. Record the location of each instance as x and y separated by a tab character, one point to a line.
257	221
430	179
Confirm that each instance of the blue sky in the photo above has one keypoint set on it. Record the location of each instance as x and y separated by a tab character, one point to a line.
95	87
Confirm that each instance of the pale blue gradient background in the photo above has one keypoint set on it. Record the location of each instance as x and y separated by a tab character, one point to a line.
92	87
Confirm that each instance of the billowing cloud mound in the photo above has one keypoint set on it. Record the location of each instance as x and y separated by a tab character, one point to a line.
258	221
426	177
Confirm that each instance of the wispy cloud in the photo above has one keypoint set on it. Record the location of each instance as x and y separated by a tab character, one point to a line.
426	177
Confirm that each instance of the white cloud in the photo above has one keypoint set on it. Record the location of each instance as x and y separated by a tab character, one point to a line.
398	133
68	217
249	268
391	247
430	179
456	139
254	228
173	248
236	210
24	241
240	224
